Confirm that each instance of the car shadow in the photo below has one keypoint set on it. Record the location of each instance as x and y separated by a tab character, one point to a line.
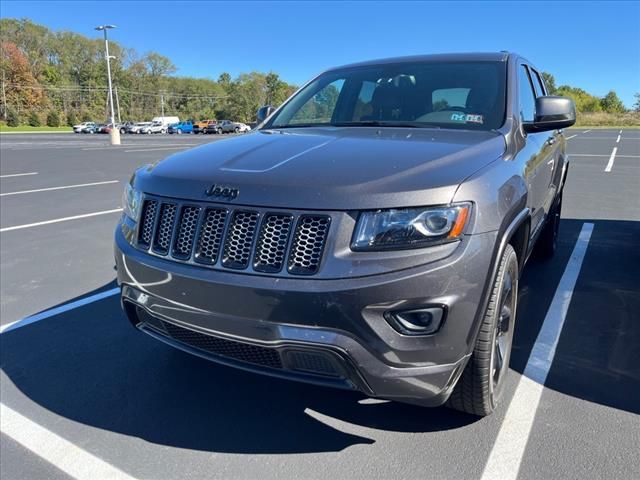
89	365
597	357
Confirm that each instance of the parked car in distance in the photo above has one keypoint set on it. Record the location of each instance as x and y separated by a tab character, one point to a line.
153	127
181	127
135	128
95	128
81	126
166	121
124	127
211	128
227	126
201	126
369	235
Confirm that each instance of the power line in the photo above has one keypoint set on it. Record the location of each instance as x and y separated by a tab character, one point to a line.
78	88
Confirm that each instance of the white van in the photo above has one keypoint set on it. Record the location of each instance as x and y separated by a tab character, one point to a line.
166	121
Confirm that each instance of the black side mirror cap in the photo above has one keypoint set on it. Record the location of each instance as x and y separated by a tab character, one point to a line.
552	113
264	112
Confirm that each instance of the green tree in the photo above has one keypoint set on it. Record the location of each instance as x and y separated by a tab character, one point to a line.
611	103
13	119
72	118
53	119
636	106
34	119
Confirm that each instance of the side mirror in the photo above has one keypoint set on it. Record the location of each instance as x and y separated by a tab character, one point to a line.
264	112
552	113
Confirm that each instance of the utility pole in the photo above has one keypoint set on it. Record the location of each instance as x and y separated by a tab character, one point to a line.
162	105
118	104
115	133
4	99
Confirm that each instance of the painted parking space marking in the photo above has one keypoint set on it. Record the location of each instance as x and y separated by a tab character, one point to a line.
158	148
11	175
61	453
49	189
602	155
510	444
618	139
586	131
611	160
58	310
569	138
58	220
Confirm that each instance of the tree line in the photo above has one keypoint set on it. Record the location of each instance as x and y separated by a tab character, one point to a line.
60	78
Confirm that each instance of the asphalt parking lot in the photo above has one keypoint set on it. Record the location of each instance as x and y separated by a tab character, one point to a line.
84	395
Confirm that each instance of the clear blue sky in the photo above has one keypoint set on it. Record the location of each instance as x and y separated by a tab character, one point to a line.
592	45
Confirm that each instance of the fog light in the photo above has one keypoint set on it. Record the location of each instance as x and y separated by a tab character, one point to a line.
419	321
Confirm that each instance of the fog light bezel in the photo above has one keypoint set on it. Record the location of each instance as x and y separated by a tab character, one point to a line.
399	325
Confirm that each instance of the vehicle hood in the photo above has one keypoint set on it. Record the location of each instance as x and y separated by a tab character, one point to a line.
332	168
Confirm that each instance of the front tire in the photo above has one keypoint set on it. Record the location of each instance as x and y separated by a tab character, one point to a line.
481	384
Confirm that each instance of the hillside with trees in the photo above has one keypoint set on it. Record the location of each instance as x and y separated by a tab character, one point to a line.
59	78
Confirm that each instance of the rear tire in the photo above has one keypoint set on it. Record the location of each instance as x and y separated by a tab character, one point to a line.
548	241
481	384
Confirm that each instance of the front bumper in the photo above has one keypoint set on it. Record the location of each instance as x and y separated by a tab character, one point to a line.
338	325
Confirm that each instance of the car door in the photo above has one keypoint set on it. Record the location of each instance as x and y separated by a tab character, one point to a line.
551	149
535	152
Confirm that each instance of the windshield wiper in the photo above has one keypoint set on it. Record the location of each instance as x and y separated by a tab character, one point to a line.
382	123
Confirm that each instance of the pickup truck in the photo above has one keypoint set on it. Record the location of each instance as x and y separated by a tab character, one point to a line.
201	126
181	127
370	233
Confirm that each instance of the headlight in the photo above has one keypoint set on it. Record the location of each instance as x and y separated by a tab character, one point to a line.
410	227
131	202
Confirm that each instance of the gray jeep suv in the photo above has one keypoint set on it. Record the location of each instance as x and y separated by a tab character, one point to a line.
369	234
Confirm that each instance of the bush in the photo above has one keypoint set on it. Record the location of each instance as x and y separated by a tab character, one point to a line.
72	118
53	119
603	119
34	119
13	119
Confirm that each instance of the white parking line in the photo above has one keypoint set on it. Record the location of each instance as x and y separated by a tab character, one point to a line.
58	188
57	220
508	449
611	159
586	131
596	155
618	139
58	310
569	138
61	453
18	175
159	148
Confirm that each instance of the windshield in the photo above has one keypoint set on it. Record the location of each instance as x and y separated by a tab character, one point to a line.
468	95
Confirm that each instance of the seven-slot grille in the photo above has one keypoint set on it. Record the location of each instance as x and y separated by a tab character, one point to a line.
239	239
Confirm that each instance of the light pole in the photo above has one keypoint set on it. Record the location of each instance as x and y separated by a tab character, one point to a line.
115	133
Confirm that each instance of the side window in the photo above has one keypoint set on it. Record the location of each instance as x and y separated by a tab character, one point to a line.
320	107
537	85
539	82
527	99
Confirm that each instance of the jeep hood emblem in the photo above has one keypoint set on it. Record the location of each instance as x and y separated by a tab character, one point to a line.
222	191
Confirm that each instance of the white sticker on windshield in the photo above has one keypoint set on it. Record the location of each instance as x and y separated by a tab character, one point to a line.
467	118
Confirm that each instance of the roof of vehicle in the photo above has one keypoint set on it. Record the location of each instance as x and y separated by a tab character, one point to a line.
442	57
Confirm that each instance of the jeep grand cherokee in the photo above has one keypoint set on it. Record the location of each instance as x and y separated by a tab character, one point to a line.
368	235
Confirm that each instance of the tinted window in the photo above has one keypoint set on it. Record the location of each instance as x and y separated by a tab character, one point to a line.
527	100
539	84
320	107
467	95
